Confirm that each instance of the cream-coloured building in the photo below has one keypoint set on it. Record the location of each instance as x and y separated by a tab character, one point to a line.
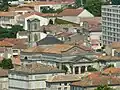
31	76
74	15
3	79
8	18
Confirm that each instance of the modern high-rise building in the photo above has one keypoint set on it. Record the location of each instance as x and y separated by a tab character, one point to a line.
110	23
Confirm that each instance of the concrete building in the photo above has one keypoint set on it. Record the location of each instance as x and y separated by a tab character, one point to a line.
31	76
62	82
110	23
74	15
3	79
95	79
8	18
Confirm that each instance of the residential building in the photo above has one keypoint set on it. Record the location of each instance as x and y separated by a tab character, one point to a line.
62	82
21	10
3	79
34	17
105	61
112	49
113	71
110	24
93	27
74	15
31	76
8	18
95	79
58	55
25	35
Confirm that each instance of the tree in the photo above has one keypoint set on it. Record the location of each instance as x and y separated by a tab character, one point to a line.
115	2
104	87
79	3
94	6
6	64
4	6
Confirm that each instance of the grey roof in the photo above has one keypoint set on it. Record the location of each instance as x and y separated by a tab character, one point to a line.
50	39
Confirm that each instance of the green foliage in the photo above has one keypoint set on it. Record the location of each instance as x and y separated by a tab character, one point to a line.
91	69
4	6
108	66
10	33
6	64
51	10
64	68
80	3
94	6
115	2
104	87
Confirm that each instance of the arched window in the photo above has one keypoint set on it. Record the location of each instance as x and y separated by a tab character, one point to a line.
35	37
35	26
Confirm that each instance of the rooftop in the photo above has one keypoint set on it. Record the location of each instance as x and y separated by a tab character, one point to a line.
96	80
71	12
8	14
115	45
3	72
36	68
112	71
108	58
55	48
5	44
64	78
50	39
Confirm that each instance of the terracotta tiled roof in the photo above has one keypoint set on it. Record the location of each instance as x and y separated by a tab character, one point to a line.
58	48
7	14
35	49
115	45
111	70
3	72
35	68
14	41
32	4
64	78
5	44
97	80
94	23
20	46
20	9
39	14
71	12
108	58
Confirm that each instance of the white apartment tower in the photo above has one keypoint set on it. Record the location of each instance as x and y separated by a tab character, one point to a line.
110	23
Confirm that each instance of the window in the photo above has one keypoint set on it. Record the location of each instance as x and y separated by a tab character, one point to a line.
65	88
35	26
59	88
65	84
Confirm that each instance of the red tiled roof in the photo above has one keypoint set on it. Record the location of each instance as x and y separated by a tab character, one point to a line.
14	40
96	80
3	72
5	44
94	23
71	12
112	70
